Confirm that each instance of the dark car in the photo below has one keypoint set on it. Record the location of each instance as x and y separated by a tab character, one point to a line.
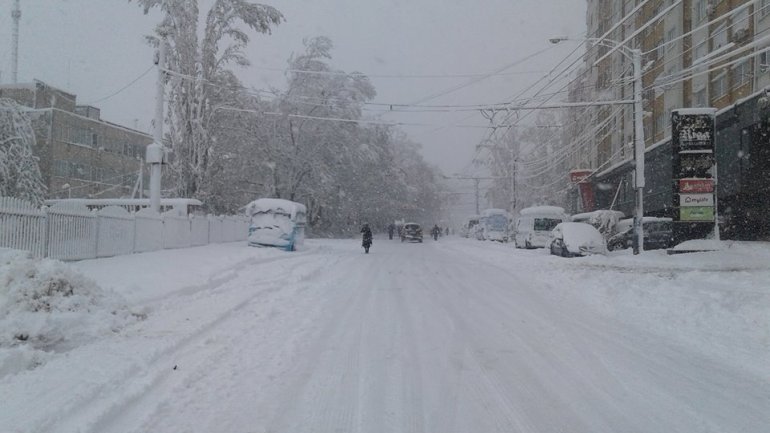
411	232
658	234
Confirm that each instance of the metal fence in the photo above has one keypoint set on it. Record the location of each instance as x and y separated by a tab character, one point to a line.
69	231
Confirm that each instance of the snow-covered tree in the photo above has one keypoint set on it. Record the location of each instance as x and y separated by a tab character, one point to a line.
19	171
200	80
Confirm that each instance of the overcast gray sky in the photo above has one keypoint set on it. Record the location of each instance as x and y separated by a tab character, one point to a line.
94	47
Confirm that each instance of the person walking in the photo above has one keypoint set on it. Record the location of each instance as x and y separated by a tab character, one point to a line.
436	232
367	237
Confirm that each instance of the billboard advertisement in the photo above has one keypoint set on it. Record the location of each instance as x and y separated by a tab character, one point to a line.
694	172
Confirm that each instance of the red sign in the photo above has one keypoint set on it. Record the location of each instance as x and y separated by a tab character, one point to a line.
578	176
690	186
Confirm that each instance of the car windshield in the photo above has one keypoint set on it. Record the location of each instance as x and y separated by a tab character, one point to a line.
208	216
546	224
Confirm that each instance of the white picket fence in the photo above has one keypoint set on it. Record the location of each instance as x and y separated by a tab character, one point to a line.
69	231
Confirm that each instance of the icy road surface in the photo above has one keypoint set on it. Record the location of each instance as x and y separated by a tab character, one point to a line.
449	336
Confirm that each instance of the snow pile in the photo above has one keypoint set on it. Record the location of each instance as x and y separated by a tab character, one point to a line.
45	305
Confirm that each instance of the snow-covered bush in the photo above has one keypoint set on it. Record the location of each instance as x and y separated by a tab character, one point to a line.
45	304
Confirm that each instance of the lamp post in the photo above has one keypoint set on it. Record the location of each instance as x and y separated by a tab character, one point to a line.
635	55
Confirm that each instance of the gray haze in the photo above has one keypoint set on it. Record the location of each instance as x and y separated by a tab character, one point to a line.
95	47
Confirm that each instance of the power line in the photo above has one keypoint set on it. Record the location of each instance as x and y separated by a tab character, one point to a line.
122	88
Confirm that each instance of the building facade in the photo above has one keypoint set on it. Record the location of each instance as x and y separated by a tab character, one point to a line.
695	53
80	155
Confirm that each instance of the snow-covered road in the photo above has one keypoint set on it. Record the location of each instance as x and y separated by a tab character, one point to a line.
449	336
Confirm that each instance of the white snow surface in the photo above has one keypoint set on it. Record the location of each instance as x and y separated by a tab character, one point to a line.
543	210
449	336
275	205
46	306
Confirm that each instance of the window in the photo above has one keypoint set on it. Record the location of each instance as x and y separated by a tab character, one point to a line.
764	8
670	36
740	20
719	85
764	62
699	98
701	50
741	73
545	224
719	37
659	125
700	10
62	168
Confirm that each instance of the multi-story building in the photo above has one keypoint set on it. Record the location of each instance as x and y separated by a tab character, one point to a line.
695	53
80	154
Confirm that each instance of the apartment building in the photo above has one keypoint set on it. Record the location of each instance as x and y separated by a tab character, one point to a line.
81	155
695	53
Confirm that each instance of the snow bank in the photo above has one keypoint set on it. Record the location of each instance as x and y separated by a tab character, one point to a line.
46	306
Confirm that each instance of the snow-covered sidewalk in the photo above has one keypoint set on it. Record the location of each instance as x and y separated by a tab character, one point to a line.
716	302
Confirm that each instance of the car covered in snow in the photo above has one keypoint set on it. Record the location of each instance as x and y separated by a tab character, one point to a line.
411	232
571	239
276	223
534	224
658	234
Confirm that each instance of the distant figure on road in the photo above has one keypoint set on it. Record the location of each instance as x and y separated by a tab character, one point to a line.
436	232
391	230
446	231
367	237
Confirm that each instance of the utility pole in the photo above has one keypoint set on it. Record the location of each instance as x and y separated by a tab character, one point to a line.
636	57
155	151
477	180
16	14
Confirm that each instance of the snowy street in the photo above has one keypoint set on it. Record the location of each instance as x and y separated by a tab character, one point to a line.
448	336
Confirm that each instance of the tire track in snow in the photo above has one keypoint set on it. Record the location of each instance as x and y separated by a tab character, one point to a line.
131	395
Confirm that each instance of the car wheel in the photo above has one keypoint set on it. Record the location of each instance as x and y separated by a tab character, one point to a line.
564	252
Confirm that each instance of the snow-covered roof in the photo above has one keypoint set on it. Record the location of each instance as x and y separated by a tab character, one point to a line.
126	201
543	210
695	111
488	212
275	205
587	215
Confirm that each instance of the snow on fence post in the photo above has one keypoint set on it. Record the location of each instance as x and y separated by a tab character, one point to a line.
149	231
22	226
115	232
72	232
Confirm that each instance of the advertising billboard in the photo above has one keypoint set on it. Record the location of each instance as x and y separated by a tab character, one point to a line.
694	172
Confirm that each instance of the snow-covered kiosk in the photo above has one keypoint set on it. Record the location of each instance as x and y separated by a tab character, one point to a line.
276	223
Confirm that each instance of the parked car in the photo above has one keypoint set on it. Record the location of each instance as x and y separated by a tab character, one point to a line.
411	232
534	225
658	234
469	228
571	239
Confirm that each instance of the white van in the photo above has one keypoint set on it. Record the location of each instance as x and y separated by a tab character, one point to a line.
534	225
494	225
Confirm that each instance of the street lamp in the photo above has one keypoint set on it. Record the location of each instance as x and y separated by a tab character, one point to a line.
635	55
